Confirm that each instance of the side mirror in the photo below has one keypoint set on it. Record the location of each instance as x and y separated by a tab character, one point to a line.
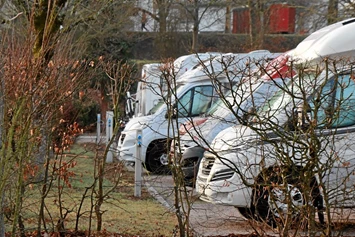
155	102
299	119
250	113
174	111
304	117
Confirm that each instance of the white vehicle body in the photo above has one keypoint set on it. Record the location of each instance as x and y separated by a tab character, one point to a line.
152	85
242	148
188	62
220	116
196	135
149	89
199	83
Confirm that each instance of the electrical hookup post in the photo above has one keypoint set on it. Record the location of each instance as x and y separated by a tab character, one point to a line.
109	135
138	165
98	129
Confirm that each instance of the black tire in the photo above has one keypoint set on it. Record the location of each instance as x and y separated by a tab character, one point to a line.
268	197
191	181
247	213
156	152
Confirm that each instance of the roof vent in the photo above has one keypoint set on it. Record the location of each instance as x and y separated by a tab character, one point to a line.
349	21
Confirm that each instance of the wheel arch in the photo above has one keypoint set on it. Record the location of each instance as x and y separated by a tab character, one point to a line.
155	142
293	173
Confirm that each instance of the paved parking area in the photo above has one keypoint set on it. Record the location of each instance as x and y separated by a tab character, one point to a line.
206	219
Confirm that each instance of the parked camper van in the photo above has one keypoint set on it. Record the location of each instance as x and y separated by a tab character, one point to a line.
229	110
307	127
196	93
152	85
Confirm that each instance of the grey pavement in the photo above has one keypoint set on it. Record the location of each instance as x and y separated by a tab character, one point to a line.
206	219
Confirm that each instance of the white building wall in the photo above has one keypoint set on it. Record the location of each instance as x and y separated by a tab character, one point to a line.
151	24
213	20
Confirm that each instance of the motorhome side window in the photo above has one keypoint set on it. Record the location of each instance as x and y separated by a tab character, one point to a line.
195	102
337	103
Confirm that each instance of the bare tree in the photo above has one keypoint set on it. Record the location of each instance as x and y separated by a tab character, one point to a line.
332	11
120	82
208	12
42	76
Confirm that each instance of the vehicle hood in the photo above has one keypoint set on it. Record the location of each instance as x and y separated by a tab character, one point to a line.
203	134
235	137
139	122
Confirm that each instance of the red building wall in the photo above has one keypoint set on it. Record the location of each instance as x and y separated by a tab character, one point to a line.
278	19
281	19
241	21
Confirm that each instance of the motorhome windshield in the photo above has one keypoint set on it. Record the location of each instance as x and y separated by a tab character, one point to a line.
219	105
234	97
288	95
243	100
161	101
329	100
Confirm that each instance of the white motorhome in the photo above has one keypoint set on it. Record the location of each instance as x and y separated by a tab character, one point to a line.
229	110
152	85
188	62
246	166
195	92
149	89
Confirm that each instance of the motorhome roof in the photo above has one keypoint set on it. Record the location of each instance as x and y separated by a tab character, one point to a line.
278	67
151	66
236	61
199	73
334	41
187	62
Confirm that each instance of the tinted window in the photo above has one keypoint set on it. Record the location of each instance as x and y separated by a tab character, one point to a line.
195	102
337	103
184	104
202	100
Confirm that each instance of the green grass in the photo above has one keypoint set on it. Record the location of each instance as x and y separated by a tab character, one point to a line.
122	212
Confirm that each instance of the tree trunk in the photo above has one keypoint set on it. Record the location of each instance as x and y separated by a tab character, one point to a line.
2	120
332	11
227	28
194	46
163	12
255	27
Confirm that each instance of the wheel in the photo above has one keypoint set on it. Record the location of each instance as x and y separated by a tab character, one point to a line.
270	197
274	198
191	159
157	158
190	180
247	213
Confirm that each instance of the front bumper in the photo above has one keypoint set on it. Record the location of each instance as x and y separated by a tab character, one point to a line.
224	192
187	158
219	184
126	147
